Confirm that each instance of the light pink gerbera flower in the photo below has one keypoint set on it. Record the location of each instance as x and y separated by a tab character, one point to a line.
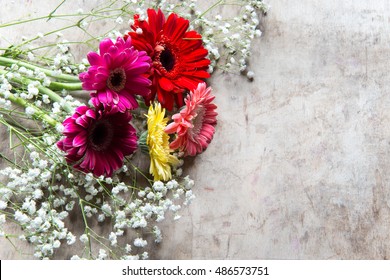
97	140
195	123
117	75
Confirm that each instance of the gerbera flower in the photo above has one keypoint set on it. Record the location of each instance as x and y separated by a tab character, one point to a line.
116	75
195	123
158	142
178	56
97	140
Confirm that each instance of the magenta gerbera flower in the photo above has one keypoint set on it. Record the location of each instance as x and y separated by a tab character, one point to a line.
97	140
116	75
195	123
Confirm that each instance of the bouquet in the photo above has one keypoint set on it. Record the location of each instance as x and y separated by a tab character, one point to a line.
104	139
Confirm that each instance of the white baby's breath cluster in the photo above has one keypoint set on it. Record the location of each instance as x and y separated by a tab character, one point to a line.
229	39
37	199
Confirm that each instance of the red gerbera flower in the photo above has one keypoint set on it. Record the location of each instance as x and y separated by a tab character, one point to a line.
97	140
178	56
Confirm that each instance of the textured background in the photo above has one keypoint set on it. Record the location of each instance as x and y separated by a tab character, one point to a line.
299	166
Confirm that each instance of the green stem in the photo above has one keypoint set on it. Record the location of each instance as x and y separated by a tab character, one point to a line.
67	86
5	61
38	113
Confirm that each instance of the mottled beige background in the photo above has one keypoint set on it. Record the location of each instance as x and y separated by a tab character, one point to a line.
300	164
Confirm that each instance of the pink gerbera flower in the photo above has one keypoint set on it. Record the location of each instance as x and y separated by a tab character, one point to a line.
195	123
97	140
116	75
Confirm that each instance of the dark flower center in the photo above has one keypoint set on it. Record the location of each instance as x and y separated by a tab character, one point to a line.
117	79
101	135
167	59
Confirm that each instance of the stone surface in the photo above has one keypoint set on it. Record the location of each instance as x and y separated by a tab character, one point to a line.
299	166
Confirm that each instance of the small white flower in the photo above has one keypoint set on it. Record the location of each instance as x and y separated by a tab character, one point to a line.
69	206
38	193
102	254
158	186
258	33
46	175
46	82
138	31
150	196
157	234
188	183
101	218
21	218
174	208
119	20
42	164
70	238
106	209
3	205
145	255
84	238
139	242
179	172
120	215
112	239
56	244
128	248
30	111
172	184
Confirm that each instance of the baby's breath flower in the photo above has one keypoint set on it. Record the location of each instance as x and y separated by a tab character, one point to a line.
70	238
119	20
128	248
30	111
102	254
139	242
112	238
3	205
84	238
145	255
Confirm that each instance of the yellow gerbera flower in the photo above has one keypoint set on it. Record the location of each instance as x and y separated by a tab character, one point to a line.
158	142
